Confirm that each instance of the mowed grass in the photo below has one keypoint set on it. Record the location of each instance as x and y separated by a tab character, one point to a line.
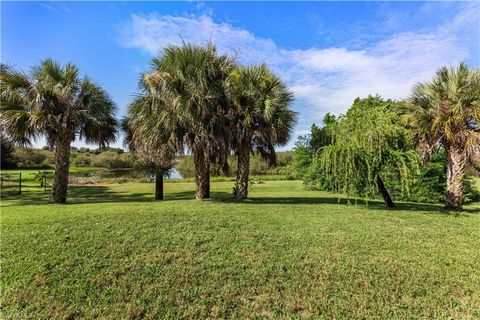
285	253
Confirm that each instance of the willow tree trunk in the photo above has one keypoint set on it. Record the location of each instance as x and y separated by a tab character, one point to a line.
243	171
456	160
424	150
384	192
60	177
159	185
202	174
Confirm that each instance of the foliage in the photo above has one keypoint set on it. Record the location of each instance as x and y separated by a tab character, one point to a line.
156	146
113	160
31	158
81	159
446	111
426	186
40	176
261	115
6	154
430	185
309	146
370	143
54	101
186	87
258	166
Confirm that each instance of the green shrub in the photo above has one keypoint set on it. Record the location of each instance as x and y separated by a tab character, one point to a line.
114	160
258	166
30	158
81	159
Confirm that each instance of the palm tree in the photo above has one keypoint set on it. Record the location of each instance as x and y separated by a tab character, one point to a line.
447	110
146	136
190	82
55	102
261	118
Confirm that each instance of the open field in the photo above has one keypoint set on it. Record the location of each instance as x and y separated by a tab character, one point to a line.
286	252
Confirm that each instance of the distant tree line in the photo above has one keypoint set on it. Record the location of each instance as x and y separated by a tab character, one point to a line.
118	158
43	158
258	166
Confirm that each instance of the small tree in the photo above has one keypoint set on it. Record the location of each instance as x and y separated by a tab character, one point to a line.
145	136
55	102
370	143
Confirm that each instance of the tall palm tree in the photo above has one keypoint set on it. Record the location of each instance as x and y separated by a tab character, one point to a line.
54	101
447	110
190	81
146	135
261	118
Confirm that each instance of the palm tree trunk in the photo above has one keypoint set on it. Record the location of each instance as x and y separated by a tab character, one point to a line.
456	161
159	185
60	177
243	171
384	192
202	174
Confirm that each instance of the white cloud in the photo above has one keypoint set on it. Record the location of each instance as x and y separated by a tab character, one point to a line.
323	79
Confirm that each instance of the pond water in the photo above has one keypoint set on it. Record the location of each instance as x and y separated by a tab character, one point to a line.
175	174
131	173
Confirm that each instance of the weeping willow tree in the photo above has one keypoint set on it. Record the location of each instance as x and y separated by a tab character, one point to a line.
370	144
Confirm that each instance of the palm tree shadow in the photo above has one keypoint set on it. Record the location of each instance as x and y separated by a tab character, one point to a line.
371	204
77	195
104	194
99	194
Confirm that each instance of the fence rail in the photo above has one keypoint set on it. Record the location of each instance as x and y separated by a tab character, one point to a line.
10	183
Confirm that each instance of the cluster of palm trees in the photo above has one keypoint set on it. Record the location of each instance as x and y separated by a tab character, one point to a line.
195	99
192	99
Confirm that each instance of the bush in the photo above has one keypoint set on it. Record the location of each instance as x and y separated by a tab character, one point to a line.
114	160
29	158
81	159
258	166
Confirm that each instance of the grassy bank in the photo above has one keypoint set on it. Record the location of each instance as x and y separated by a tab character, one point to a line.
286	252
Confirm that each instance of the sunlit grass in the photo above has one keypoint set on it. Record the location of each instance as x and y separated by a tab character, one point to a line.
114	253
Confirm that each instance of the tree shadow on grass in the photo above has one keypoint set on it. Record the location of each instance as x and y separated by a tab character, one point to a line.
83	194
360	203
104	194
98	194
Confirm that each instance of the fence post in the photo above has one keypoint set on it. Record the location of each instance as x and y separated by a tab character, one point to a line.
20	183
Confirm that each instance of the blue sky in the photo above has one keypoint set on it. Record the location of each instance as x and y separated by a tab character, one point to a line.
328	52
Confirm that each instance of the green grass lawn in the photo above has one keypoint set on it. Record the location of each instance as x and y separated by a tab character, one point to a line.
285	253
